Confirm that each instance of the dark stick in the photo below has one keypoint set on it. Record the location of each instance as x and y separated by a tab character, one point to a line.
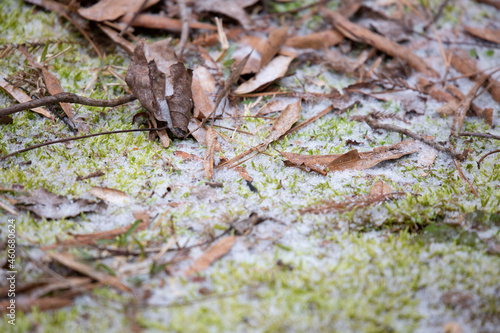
66	97
480	135
79	138
389	127
482	158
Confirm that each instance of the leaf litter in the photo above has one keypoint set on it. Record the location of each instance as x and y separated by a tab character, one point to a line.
196	103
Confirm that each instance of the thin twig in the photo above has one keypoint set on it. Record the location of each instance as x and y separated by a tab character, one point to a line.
461	174
390	127
79	138
480	135
66	97
185	26
482	158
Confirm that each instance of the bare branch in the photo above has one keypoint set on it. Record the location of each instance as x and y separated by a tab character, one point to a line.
390	127
66	97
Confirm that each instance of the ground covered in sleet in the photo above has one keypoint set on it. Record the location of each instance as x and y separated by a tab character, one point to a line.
425	260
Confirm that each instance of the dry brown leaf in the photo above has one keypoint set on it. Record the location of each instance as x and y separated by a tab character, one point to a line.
68	261
486	34
274	106
276	69
380	188
215	252
200	134
111	195
162	84
316	40
208	162
358	33
289	116
49	205
360	161
352	160
270	47
426	159
463	63
51	82
22	97
203	87
239	169
110	10
187	156
233	9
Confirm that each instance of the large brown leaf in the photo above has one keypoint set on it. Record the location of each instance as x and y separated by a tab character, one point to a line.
162	84
352	160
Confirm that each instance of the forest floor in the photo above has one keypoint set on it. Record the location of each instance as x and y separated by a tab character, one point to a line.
127	233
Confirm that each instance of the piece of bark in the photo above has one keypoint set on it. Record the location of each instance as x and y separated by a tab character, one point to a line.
22	97
360	34
208	162
160	22
68	261
463	63
316	40
110	10
215	252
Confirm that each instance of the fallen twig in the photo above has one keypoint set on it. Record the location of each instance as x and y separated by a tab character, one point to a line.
66	97
390	127
480	135
185	26
482	158
79	138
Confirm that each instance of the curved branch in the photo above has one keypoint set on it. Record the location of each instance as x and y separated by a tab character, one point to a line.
66	97
79	138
